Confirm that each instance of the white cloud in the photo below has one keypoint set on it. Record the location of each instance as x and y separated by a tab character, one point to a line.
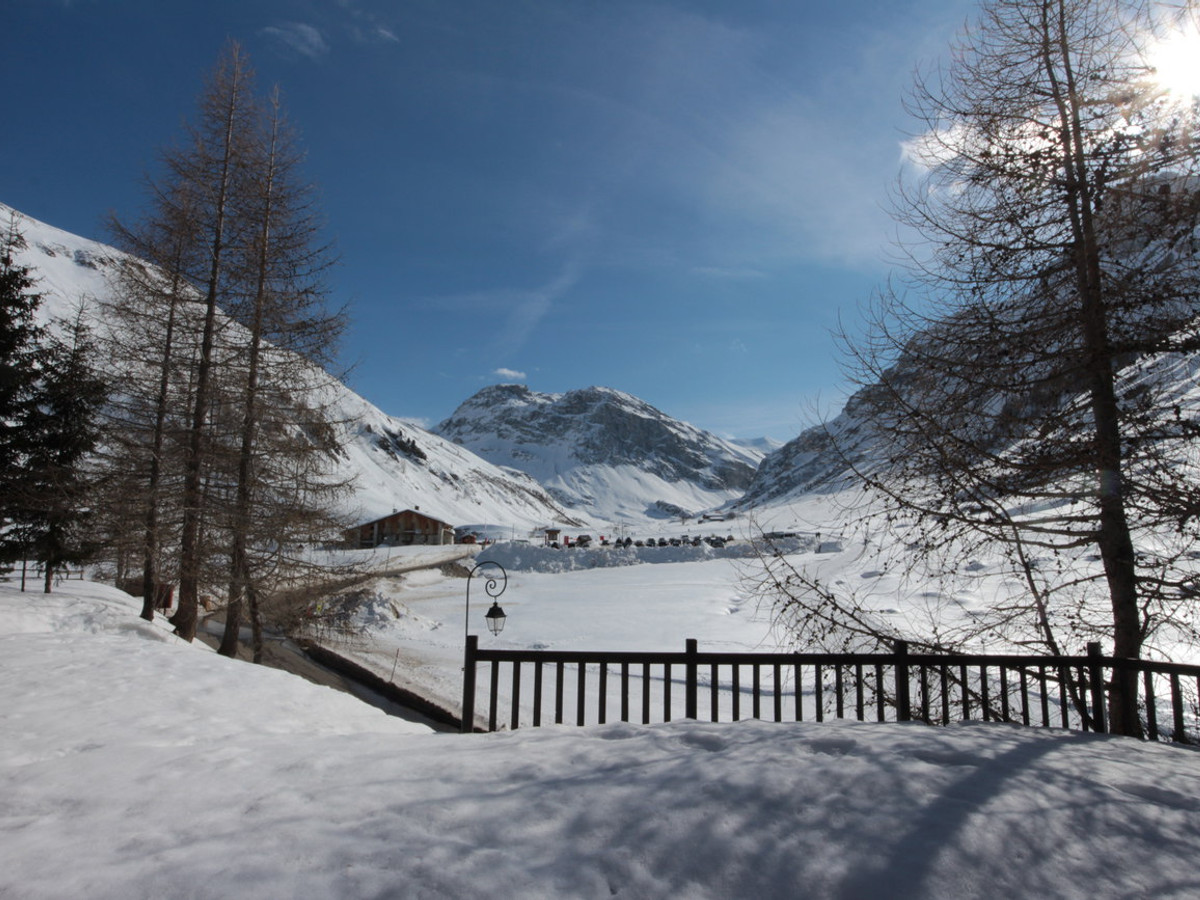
365	26
510	374
533	306
515	312
300	37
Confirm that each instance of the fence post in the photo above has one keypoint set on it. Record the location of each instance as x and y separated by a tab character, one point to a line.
903	701
468	703
1096	677
689	711
1179	736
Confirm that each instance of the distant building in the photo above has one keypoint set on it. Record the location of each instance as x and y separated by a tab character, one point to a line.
552	535
408	526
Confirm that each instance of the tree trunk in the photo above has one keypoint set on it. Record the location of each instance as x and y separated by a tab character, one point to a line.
190	550
150	540
239	560
1113	538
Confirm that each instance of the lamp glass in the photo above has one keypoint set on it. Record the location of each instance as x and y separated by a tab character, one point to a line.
495	618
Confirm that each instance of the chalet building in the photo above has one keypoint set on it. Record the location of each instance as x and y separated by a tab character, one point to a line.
409	526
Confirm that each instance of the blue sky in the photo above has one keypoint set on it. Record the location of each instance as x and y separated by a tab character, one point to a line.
675	199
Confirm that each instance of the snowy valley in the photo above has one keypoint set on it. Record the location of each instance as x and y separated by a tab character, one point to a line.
135	765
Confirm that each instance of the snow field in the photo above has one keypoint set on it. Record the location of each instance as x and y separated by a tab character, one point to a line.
133	766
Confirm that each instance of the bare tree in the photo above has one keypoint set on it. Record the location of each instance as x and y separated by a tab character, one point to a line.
288	331
1013	383
208	170
221	331
152	320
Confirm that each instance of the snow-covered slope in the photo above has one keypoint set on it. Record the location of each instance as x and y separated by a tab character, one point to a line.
401	465
603	450
817	460
820	459
393	464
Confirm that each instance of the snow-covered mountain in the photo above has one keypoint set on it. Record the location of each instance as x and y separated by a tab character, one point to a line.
399	465
817	459
820	459
760	445
603	450
394	464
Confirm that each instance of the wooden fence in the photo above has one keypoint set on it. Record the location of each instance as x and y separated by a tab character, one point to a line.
582	687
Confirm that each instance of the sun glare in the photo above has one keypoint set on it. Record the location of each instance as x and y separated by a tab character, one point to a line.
1176	63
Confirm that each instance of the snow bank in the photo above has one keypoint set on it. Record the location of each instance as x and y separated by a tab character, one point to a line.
133	766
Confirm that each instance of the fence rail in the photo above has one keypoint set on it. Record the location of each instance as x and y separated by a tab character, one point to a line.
582	687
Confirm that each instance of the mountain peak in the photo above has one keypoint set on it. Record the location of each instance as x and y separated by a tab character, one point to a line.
495	392
602	449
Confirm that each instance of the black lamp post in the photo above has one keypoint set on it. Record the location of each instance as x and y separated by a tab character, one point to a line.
493	585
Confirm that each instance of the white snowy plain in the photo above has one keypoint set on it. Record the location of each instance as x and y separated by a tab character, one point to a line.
133	765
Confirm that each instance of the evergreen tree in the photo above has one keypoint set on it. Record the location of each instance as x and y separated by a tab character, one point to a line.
54	509
19	344
50	396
